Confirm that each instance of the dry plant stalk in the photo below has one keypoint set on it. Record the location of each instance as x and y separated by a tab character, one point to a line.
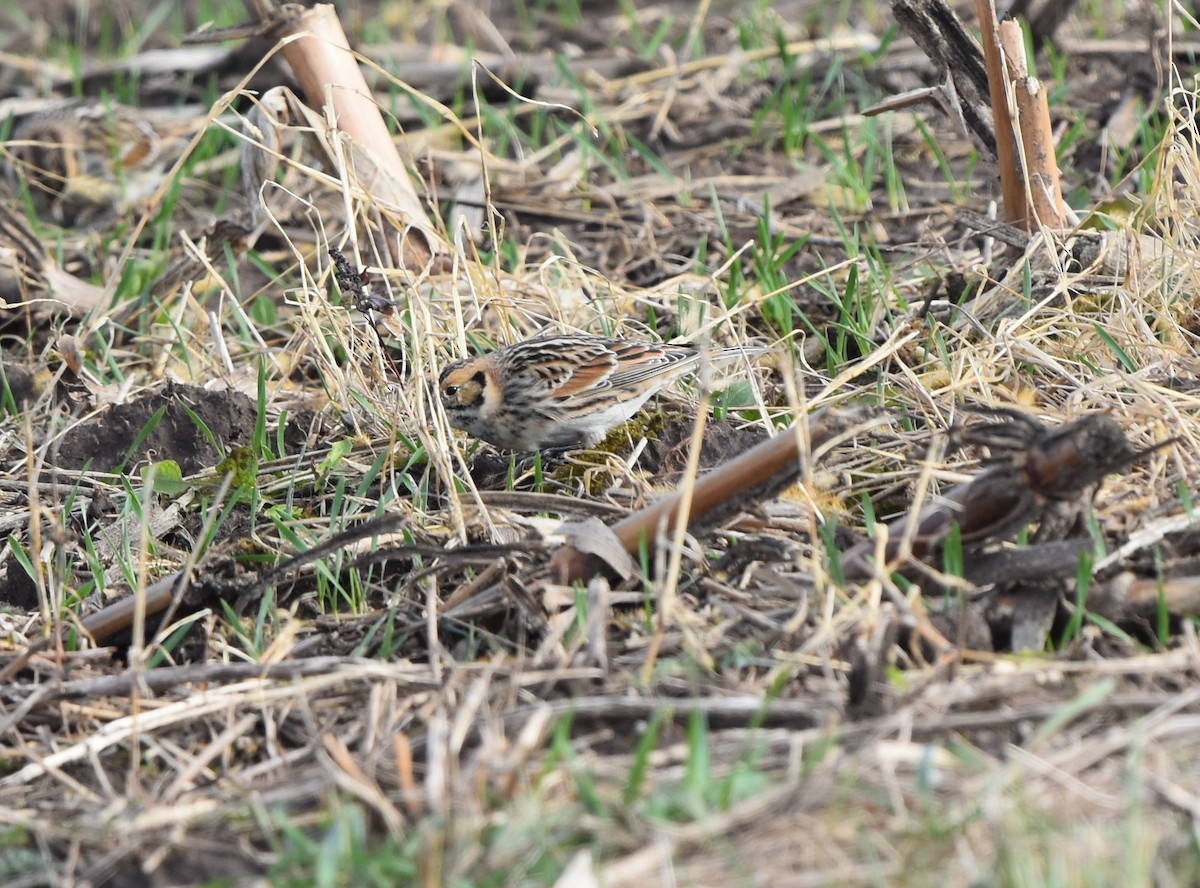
1033	127
320	56
1047	475
772	464
1012	189
963	88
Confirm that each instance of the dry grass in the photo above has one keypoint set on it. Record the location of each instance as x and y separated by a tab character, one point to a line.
421	700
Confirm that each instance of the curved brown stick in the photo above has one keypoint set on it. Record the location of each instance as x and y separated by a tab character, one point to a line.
106	622
753	476
113	618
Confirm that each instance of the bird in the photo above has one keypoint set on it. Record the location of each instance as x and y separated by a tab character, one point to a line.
556	391
85	162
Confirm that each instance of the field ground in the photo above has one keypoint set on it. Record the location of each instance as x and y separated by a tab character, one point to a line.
358	648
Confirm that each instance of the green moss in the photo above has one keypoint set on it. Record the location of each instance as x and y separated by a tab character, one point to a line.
644	425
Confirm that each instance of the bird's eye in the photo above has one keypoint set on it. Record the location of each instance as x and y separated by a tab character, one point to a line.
450	391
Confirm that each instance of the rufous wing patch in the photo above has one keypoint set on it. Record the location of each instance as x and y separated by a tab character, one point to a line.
591	373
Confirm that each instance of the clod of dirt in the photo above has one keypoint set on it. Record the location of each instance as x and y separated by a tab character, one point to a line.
21	383
17	589
666	456
106	441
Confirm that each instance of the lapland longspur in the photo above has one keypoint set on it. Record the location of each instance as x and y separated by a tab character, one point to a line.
558	391
83	162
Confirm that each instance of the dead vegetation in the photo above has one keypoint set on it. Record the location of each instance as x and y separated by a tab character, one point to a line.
931	611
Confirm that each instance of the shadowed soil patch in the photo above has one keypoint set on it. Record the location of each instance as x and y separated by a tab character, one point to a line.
174	417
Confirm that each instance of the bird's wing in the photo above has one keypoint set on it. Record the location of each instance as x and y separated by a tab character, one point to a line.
558	367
